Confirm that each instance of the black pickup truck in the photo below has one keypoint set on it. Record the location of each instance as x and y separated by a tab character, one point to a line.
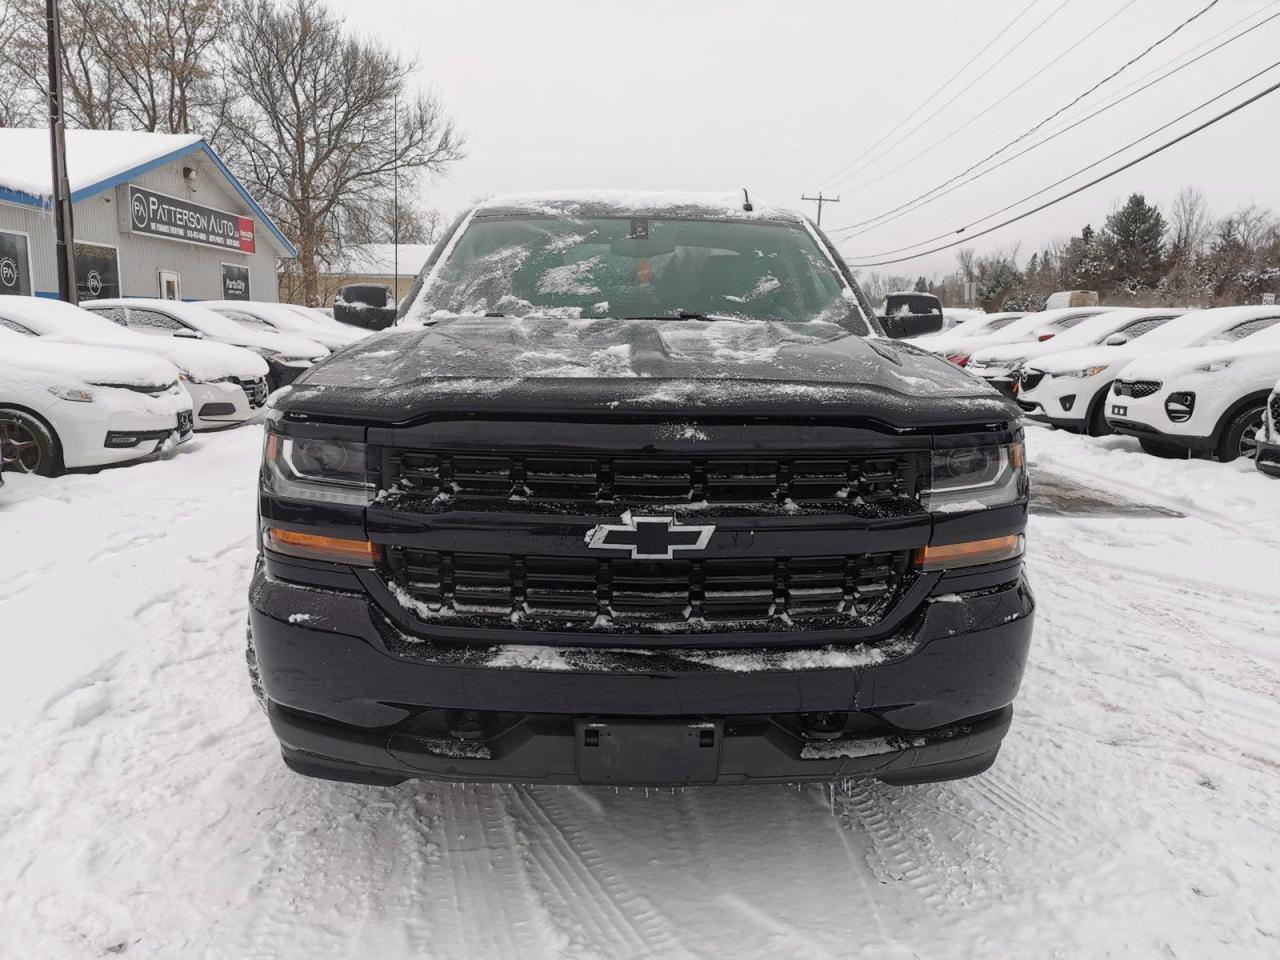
639	491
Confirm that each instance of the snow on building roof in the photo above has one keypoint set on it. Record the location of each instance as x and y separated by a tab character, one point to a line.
586	203
92	156
98	160
379	260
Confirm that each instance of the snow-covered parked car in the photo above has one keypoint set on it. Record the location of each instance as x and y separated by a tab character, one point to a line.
1206	400
281	318
1031	328
286	355
953	340
1268	460
65	406
1071	390
228	385
1001	366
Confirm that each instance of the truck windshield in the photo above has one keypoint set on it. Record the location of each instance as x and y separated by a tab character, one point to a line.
627	267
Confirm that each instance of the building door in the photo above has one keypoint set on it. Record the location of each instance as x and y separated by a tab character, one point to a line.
170	285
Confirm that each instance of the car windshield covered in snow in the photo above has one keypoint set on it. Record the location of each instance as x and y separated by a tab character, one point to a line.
634	267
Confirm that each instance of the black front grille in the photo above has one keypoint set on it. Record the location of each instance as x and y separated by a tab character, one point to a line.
1031	379
572	593
1136	388
565	477
255	392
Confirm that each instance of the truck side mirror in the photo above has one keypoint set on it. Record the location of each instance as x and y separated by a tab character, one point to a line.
905	325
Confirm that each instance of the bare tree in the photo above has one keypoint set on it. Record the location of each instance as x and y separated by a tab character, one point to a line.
128	64
16	109
311	125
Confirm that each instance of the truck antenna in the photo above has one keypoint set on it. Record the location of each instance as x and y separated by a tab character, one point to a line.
746	201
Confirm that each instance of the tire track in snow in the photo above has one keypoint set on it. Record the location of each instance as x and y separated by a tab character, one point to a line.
597	907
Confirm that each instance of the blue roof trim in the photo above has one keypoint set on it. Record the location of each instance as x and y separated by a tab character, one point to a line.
94	189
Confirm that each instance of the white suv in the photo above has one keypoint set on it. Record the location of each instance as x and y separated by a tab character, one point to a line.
1002	366
1208	399
1070	390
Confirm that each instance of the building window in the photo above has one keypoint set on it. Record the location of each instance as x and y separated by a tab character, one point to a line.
97	271
15	264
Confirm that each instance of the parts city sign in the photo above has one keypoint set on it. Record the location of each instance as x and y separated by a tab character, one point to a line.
159	215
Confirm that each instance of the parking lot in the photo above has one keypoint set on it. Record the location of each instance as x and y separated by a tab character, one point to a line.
146	810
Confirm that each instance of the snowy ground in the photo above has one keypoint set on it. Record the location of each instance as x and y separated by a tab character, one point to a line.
1132	813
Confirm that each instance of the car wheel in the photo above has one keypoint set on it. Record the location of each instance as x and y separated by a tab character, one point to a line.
251	660
1240	438
1165	451
27	445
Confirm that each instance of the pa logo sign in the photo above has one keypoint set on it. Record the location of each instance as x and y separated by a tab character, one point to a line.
8	272
139	209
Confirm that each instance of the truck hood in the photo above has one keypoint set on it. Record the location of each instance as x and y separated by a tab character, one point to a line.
581	366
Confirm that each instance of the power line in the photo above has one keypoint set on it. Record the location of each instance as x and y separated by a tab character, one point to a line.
923	103
940	191
1060	111
840	177
1092	183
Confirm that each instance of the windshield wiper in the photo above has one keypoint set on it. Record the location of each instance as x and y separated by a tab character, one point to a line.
683	315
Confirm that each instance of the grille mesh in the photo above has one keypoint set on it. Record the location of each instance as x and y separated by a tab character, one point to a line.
1136	388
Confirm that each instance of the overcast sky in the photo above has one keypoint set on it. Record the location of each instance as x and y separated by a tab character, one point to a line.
778	96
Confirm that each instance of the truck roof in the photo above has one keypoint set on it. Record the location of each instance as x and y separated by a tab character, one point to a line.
654	203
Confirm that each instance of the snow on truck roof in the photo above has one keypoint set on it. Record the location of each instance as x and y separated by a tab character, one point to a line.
612	203
98	160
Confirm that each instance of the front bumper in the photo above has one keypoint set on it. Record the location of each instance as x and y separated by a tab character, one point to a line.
350	696
226	402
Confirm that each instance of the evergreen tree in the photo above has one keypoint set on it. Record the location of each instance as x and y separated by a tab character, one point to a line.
922	285
1133	245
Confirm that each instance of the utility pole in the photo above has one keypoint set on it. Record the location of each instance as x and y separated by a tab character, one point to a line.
63	227
820	200
395	198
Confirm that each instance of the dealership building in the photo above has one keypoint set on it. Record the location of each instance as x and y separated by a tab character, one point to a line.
156	215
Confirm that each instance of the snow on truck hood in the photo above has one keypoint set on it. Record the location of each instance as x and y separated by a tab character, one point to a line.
636	363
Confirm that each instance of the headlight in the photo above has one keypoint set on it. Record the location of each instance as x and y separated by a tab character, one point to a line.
1180	406
72	393
975	478
333	471
1213	366
185	377
1083	372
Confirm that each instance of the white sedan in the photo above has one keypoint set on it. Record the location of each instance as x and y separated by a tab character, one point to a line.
1070	390
286	355
228	385
65	406
1205	400
1000	366
281	318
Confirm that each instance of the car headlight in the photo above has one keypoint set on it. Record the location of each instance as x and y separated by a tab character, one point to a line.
333	471
1213	366
75	394
976	478
185	377
1082	372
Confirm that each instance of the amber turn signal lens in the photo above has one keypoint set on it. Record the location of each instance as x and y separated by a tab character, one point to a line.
310	546
970	554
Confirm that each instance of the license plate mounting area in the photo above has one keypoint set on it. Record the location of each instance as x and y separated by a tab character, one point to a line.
628	752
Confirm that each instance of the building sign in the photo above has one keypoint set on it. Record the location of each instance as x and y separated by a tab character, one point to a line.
15	266
159	215
235	281
97	272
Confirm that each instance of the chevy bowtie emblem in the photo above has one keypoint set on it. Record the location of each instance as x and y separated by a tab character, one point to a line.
649	538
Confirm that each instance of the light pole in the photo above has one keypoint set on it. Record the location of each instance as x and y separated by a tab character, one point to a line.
64	228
